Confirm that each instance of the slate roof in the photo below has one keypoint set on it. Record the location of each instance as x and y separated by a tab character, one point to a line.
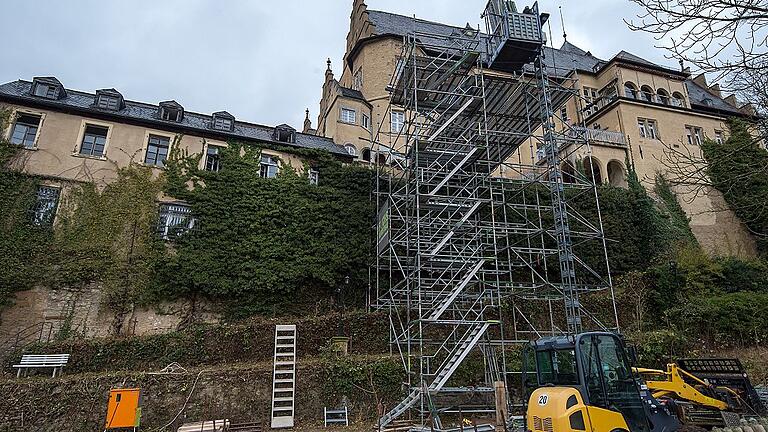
698	94
559	61
350	93
82	102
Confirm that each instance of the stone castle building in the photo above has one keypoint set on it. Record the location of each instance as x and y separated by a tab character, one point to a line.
630	108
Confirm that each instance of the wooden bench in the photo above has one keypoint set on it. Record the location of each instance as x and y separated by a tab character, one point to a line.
54	361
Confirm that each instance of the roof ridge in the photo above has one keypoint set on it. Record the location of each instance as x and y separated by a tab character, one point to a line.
421	19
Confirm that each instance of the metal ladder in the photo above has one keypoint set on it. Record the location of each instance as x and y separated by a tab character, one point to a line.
284	377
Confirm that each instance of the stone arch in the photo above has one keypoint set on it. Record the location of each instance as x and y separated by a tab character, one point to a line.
569	172
663	96
366	154
617	175
630	90
646	93
678	99
592	169
351	149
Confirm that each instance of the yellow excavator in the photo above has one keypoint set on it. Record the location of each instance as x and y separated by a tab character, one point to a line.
586	382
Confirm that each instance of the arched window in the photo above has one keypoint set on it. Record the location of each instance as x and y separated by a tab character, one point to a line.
663	96
351	149
366	154
630	90
678	99
616	174
592	170
646	93
381	159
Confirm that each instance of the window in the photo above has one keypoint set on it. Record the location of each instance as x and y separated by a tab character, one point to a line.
647	94
693	135
366	154
284	133
663	96
157	150
678	100
365	121
223	121
175	220
25	130
590	100
46	91
269	166
222	124
212	159
397	121
348	115
171	111
564	114
314	177
630	90
108	102
357	81
719	137
44	210
351	149
648	128
94	140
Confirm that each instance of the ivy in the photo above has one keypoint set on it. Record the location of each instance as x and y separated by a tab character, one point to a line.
739	169
257	241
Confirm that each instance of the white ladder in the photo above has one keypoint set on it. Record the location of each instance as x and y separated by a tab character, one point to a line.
284	377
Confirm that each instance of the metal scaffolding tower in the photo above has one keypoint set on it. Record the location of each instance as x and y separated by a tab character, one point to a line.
482	242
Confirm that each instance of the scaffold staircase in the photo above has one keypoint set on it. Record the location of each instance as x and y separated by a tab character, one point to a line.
284	377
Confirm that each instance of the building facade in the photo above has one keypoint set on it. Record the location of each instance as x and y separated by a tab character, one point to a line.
629	109
67	137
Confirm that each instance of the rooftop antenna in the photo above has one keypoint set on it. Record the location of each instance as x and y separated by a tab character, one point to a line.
562	24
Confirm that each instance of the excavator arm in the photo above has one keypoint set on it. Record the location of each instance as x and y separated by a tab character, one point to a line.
670	383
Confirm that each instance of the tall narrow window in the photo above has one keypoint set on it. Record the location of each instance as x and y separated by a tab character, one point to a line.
590	100
44	210
157	150
269	166
397	121
175	220
357	82
25	130
719	137
212	159
348	115
314	177
693	135
648	128
94	140
365	121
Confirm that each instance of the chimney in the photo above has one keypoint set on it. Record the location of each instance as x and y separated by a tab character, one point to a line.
715	90
307	123
687	70
731	100
701	80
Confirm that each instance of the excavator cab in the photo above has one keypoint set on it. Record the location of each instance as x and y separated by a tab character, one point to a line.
585	383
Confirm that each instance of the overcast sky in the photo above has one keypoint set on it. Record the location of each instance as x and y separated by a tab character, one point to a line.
261	60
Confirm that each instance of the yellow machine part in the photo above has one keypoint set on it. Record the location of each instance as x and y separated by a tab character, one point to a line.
562	409
673	385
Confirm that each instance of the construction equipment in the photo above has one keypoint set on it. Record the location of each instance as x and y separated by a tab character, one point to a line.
704	392
585	382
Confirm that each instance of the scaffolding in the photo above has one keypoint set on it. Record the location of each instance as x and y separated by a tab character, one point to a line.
482	243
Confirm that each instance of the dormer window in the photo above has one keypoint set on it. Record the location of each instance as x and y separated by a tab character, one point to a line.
223	121
284	133
48	87
171	111
109	99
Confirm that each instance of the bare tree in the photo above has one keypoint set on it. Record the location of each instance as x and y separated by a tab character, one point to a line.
722	37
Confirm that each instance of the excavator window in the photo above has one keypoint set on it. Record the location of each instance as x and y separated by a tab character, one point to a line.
557	367
609	381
